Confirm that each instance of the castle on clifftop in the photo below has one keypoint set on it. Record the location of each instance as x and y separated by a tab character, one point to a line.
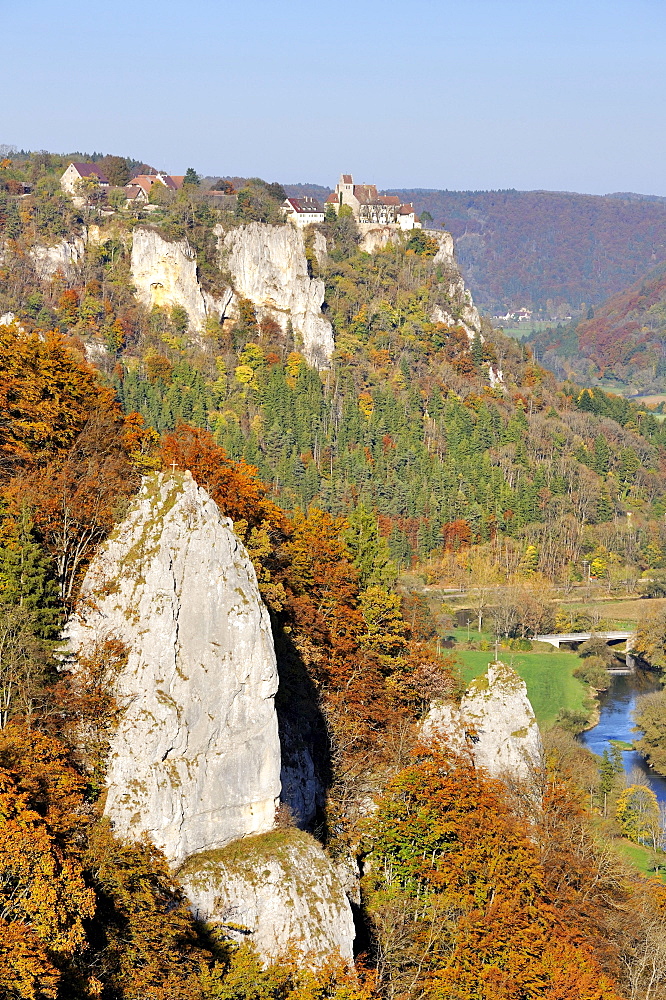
371	208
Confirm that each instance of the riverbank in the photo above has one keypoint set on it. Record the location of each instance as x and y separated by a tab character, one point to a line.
616	727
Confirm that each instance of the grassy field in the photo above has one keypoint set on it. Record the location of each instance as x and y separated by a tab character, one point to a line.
622	613
522	330
551	685
642	858
650	400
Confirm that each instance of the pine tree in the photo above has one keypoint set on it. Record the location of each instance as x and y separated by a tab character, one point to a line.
604	510
477	351
369	550
27	580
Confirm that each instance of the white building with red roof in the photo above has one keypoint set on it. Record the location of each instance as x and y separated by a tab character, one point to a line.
77	172
138	189
303	211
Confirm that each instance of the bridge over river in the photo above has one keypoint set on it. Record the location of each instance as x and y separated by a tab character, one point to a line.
612	638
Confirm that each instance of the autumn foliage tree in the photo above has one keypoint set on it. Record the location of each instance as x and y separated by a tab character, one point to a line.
462	903
47	394
67	454
44	896
235	486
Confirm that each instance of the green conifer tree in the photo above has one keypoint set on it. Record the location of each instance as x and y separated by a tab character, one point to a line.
369	550
27	581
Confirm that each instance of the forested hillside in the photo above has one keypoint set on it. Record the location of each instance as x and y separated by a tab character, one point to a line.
406	420
417	442
543	249
622	342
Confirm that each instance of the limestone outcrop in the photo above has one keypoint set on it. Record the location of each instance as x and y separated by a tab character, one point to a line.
457	307
268	266
195	762
496	722
374	238
164	273
279	891
64	256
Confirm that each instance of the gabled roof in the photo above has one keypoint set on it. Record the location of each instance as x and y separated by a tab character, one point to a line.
347	179
90	170
144	181
306	206
332	199
406	210
366	194
132	191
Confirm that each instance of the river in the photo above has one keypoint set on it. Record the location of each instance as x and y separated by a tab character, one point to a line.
616	723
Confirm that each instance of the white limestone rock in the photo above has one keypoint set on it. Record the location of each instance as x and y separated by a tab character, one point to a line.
319	247
268	266
458	296
65	256
374	238
497	708
164	273
496	722
279	891
446	723
195	762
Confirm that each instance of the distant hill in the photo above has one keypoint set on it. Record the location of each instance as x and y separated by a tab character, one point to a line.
622	343
524	248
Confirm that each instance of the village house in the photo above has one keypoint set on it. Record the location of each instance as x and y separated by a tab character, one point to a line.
303	211
77	172
138	189
371	208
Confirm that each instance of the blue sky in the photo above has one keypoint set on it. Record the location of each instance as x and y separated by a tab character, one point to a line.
466	94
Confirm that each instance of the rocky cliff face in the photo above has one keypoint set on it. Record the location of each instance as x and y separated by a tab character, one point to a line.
165	274
497	713
195	762
268	266
458	307
65	257
279	891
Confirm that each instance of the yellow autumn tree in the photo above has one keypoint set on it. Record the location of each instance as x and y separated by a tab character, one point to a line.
44	899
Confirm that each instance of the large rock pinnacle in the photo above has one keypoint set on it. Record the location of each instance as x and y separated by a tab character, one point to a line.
195	762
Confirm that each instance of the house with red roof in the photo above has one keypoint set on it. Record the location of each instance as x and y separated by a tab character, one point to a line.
371	208
303	211
77	172
138	189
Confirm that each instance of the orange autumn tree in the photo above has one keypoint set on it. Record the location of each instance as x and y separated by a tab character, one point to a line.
44	897
462	905
47	393
67	453
234	486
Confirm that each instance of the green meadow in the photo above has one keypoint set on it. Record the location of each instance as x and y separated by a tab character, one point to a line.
551	685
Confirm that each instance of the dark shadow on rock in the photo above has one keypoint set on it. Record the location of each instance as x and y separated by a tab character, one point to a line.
306	749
